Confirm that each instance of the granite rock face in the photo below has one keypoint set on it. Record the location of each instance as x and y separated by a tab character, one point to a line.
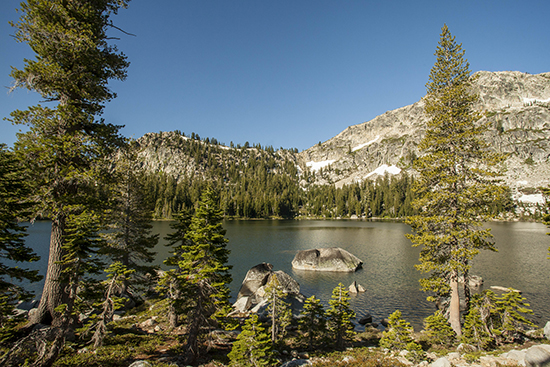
515	104
326	259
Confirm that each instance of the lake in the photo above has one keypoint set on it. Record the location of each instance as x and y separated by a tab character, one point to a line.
388	272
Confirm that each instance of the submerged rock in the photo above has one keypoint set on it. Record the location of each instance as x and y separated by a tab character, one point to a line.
326	259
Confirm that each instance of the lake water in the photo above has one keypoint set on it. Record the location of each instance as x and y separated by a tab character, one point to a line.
388	272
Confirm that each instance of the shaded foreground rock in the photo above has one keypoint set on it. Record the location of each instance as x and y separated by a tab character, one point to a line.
251	295
326	259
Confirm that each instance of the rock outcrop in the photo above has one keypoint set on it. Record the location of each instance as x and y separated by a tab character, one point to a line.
326	259
356	288
251	297
515	104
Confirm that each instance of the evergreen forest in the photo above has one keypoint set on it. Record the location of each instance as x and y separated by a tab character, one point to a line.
260	182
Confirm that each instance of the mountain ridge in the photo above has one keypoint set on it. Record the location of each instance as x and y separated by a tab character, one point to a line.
516	104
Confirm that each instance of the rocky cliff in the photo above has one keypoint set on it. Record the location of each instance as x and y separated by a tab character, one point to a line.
515	103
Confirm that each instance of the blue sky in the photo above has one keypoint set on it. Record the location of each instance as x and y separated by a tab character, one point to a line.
288	73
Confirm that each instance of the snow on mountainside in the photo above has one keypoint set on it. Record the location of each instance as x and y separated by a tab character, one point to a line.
516	104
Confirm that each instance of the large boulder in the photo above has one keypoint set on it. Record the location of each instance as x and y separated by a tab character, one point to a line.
326	259
538	356
547	330
251	297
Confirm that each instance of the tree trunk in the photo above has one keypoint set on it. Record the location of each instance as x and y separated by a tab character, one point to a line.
54	292
454	308
194	330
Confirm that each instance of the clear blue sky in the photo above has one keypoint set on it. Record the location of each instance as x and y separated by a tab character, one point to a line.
288	73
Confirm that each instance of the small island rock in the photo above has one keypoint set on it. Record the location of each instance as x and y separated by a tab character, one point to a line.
356	288
326	259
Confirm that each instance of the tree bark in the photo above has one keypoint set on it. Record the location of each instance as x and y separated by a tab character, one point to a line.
194	329
454	308
54	292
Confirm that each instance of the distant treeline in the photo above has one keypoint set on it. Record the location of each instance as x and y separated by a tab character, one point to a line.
256	182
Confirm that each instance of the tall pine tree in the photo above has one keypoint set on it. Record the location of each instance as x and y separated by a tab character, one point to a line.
73	65
456	180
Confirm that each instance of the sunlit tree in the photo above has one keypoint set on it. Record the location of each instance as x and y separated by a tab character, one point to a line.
456	182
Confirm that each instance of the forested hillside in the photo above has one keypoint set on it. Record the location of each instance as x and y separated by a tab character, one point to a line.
261	182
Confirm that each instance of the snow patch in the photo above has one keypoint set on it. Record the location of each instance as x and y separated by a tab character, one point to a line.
392	170
532	199
366	144
535	100
522	183
316	166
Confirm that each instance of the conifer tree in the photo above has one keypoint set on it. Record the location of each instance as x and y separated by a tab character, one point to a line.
279	309
456	180
74	62
252	347
13	188
203	271
475	331
312	324
437	330
129	238
172	280
339	316
398	335
117	274
513	308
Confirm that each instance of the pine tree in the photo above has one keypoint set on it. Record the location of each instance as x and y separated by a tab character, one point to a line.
117	274
398	335
312	323
64	143
512	309
252	347
278	308
437	330
456	180
475	331
339	316
129	238
173	279
204	272
13	187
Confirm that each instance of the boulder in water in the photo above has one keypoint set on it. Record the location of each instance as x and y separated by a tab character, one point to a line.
251	297
326	259
356	288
